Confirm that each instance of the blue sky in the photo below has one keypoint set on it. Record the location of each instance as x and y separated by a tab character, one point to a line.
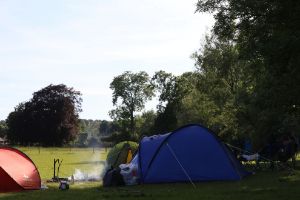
85	43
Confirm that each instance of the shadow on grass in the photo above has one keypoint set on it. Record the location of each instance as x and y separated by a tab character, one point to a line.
252	166
88	163
263	185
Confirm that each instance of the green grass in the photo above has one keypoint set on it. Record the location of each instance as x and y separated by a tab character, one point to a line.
84	159
263	185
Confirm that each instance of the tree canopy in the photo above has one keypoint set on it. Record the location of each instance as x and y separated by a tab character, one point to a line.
130	92
266	36
49	118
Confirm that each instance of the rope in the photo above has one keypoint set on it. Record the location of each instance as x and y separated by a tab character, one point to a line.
267	159
264	158
185	172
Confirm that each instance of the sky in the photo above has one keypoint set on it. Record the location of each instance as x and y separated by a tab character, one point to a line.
84	44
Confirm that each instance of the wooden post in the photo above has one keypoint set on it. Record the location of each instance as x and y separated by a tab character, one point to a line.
54	167
59	163
56	173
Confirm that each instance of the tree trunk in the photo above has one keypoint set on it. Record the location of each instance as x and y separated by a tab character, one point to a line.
131	122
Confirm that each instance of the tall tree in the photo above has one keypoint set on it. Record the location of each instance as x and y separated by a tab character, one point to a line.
130	93
171	90
166	86
145	123
104	128
49	118
223	80
267	36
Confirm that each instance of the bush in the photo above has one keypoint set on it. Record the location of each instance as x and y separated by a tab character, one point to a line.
118	154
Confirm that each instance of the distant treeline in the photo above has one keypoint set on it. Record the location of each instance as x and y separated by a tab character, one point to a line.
92	131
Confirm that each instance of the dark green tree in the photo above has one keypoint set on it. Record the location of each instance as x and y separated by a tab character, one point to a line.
224	86
145	123
18	122
130	93
266	34
104	128
171	90
166	87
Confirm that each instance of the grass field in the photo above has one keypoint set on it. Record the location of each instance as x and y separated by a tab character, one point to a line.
263	185
85	159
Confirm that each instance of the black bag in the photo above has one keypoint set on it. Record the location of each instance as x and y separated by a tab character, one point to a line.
113	177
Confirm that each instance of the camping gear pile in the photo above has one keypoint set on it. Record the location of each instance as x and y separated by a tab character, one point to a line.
63	185
130	172
17	171
189	154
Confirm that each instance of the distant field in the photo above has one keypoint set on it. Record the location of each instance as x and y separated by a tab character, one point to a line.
265	185
84	159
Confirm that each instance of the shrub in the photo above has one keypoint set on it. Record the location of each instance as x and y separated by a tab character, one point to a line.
118	154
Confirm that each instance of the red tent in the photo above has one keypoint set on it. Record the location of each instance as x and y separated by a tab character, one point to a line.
17	171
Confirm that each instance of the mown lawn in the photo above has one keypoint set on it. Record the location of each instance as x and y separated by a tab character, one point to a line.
85	159
262	185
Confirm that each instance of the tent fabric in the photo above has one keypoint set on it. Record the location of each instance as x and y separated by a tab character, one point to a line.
7	183
192	152
18	171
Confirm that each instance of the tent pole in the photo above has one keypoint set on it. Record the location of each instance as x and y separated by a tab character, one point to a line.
185	172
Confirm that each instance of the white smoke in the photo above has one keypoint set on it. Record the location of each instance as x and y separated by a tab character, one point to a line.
95	174
86	176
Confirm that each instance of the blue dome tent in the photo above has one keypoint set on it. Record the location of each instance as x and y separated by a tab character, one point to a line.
190	153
